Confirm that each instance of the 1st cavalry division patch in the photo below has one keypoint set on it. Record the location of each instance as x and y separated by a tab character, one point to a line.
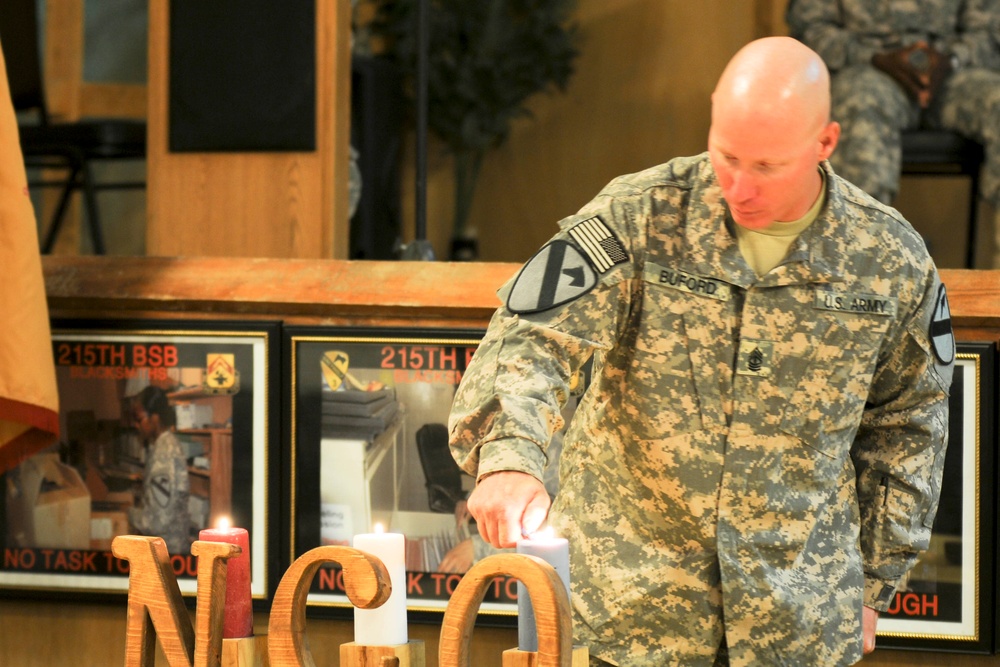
942	338
557	274
562	271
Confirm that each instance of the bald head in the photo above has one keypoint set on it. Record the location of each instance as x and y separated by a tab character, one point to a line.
770	130
778	79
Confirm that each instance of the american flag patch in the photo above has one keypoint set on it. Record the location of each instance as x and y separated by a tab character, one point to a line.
599	244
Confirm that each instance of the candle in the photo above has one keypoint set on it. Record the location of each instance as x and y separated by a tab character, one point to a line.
238	620
385	625
554	551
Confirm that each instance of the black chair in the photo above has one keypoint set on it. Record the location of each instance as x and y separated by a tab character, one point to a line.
71	146
443	476
944	153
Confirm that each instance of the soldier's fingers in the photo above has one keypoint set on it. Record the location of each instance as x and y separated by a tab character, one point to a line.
510	529
535	513
869	643
869	624
484	531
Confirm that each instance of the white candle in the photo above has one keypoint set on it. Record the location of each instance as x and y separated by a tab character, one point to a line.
385	625
554	551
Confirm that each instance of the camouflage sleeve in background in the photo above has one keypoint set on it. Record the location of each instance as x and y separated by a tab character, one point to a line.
976	41
821	25
900	448
850	32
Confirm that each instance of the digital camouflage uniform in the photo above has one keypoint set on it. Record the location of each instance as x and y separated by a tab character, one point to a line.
753	457
165	492
873	109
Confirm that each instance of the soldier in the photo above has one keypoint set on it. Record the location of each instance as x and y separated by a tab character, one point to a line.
757	460
902	65
165	487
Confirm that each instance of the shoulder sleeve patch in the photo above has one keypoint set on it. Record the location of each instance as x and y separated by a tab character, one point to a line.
598	243
942	338
557	274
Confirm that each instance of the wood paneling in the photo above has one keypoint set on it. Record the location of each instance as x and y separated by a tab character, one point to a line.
44	634
639	96
111	100
276	204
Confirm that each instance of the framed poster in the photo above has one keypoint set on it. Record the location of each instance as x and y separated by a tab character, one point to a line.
165	427
369	445
947	602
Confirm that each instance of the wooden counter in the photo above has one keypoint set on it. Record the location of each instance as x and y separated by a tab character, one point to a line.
297	291
357	292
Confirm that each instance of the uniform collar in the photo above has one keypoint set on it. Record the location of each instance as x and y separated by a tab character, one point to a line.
816	256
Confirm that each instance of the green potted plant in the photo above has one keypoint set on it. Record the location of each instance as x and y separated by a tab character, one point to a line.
485	59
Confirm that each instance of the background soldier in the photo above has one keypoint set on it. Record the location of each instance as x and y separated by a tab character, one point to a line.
165	485
903	64
757	460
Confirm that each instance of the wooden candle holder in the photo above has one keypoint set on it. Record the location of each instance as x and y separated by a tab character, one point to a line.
367	583
513	657
245	652
410	654
154	601
548	598
155	606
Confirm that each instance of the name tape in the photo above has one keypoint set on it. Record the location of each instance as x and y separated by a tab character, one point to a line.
687	282
870	304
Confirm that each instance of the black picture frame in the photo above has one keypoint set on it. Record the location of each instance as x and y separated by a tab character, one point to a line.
217	377
949	601
345	477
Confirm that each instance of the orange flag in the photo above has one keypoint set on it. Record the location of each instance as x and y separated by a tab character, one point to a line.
29	400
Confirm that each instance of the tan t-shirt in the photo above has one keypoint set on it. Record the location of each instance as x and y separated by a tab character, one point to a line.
763	249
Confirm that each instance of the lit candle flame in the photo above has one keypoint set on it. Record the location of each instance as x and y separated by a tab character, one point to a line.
379	528
223	523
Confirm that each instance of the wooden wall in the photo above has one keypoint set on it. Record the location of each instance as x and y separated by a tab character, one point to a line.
252	203
639	96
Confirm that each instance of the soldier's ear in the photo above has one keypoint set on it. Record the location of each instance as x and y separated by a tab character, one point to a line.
828	138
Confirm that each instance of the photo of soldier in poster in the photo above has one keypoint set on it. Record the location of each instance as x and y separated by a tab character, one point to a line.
147	431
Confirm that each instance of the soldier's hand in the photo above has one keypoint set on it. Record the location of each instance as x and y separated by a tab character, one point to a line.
508	505
459	559
939	69
869	620
909	67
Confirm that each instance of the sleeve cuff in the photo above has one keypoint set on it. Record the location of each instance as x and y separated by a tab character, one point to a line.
511	454
879	594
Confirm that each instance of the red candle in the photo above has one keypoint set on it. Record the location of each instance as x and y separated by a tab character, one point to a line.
238	621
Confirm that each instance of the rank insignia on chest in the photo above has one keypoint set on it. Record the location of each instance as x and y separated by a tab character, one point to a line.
754	358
